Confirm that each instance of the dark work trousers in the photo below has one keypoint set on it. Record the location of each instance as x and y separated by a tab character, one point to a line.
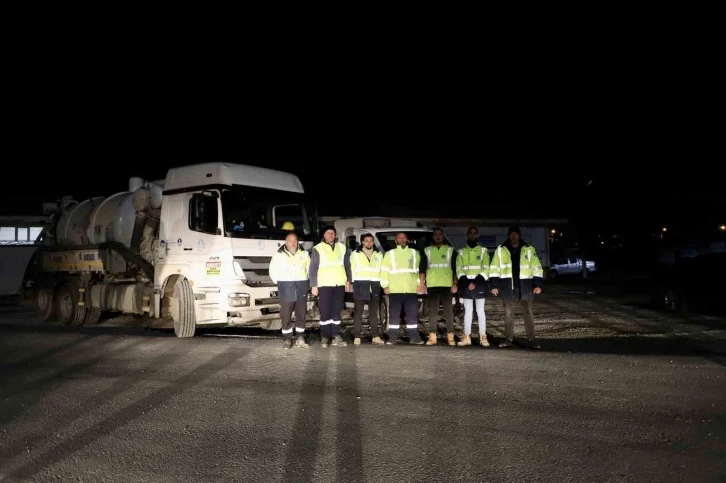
373	306
286	309
436	296
409	302
509	306
331	301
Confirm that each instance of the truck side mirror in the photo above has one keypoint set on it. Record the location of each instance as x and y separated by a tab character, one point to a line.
203	213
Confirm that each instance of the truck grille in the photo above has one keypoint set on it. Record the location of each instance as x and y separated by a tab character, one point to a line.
267	301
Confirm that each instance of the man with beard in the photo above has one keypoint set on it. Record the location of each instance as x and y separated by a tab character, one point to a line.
472	268
439	262
402	279
516	275
330	278
365	264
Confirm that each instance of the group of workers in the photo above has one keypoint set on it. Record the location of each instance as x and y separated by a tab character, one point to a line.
514	273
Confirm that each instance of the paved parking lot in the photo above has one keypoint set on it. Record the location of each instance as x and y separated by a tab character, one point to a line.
618	393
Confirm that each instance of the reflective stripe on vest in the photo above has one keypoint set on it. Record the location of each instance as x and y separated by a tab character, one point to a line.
364	269
286	267
439	274
471	268
529	266
393	274
331	270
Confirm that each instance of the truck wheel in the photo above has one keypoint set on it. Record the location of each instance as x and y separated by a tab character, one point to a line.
383	314
43	301
273	324
185	319
92	316
66	299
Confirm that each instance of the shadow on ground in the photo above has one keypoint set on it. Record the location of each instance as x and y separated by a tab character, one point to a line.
636	345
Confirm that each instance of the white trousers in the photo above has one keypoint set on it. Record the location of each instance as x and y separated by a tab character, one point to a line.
469	315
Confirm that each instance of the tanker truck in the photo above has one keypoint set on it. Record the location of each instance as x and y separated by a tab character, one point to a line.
194	248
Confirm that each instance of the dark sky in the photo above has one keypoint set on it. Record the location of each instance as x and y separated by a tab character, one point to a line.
518	152
445	186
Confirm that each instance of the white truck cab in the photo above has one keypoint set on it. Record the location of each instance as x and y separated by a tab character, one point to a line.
220	225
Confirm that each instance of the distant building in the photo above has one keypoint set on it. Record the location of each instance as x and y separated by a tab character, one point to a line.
20	230
17	239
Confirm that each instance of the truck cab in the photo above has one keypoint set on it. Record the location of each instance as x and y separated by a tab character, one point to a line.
220	225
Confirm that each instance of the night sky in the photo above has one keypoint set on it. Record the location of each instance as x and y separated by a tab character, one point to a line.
629	169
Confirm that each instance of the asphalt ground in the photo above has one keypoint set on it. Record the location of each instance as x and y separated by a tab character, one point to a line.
619	392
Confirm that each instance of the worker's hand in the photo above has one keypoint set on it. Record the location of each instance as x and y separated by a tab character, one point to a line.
387	291
348	287
495	292
422	290
472	286
537	290
454	288
314	291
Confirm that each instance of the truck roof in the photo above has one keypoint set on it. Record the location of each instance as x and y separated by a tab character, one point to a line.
230	174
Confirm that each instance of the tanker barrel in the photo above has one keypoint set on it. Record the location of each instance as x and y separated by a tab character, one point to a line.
135	183
139	224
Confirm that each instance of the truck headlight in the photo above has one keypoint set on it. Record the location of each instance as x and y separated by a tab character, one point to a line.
239	300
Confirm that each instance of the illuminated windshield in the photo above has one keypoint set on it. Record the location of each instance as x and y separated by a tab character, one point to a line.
251	212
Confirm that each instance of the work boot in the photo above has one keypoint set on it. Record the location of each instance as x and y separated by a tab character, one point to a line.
338	341
450	338
324	342
432	339
300	343
287	343
377	341
465	340
506	343
356	341
483	340
417	341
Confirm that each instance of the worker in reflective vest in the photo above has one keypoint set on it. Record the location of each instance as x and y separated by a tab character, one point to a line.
289	270
439	263
472	270
330	278
516	275
402	278
365	265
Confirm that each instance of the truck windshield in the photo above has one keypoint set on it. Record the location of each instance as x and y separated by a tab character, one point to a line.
416	239
251	212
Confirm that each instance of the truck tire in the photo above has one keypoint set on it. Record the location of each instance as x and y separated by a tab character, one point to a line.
383	315
43	300
66	302
93	315
186	321
274	324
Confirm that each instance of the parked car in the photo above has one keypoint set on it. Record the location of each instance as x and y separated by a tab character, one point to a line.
571	266
693	284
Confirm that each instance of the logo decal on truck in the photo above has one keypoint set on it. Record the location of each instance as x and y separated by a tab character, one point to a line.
214	268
